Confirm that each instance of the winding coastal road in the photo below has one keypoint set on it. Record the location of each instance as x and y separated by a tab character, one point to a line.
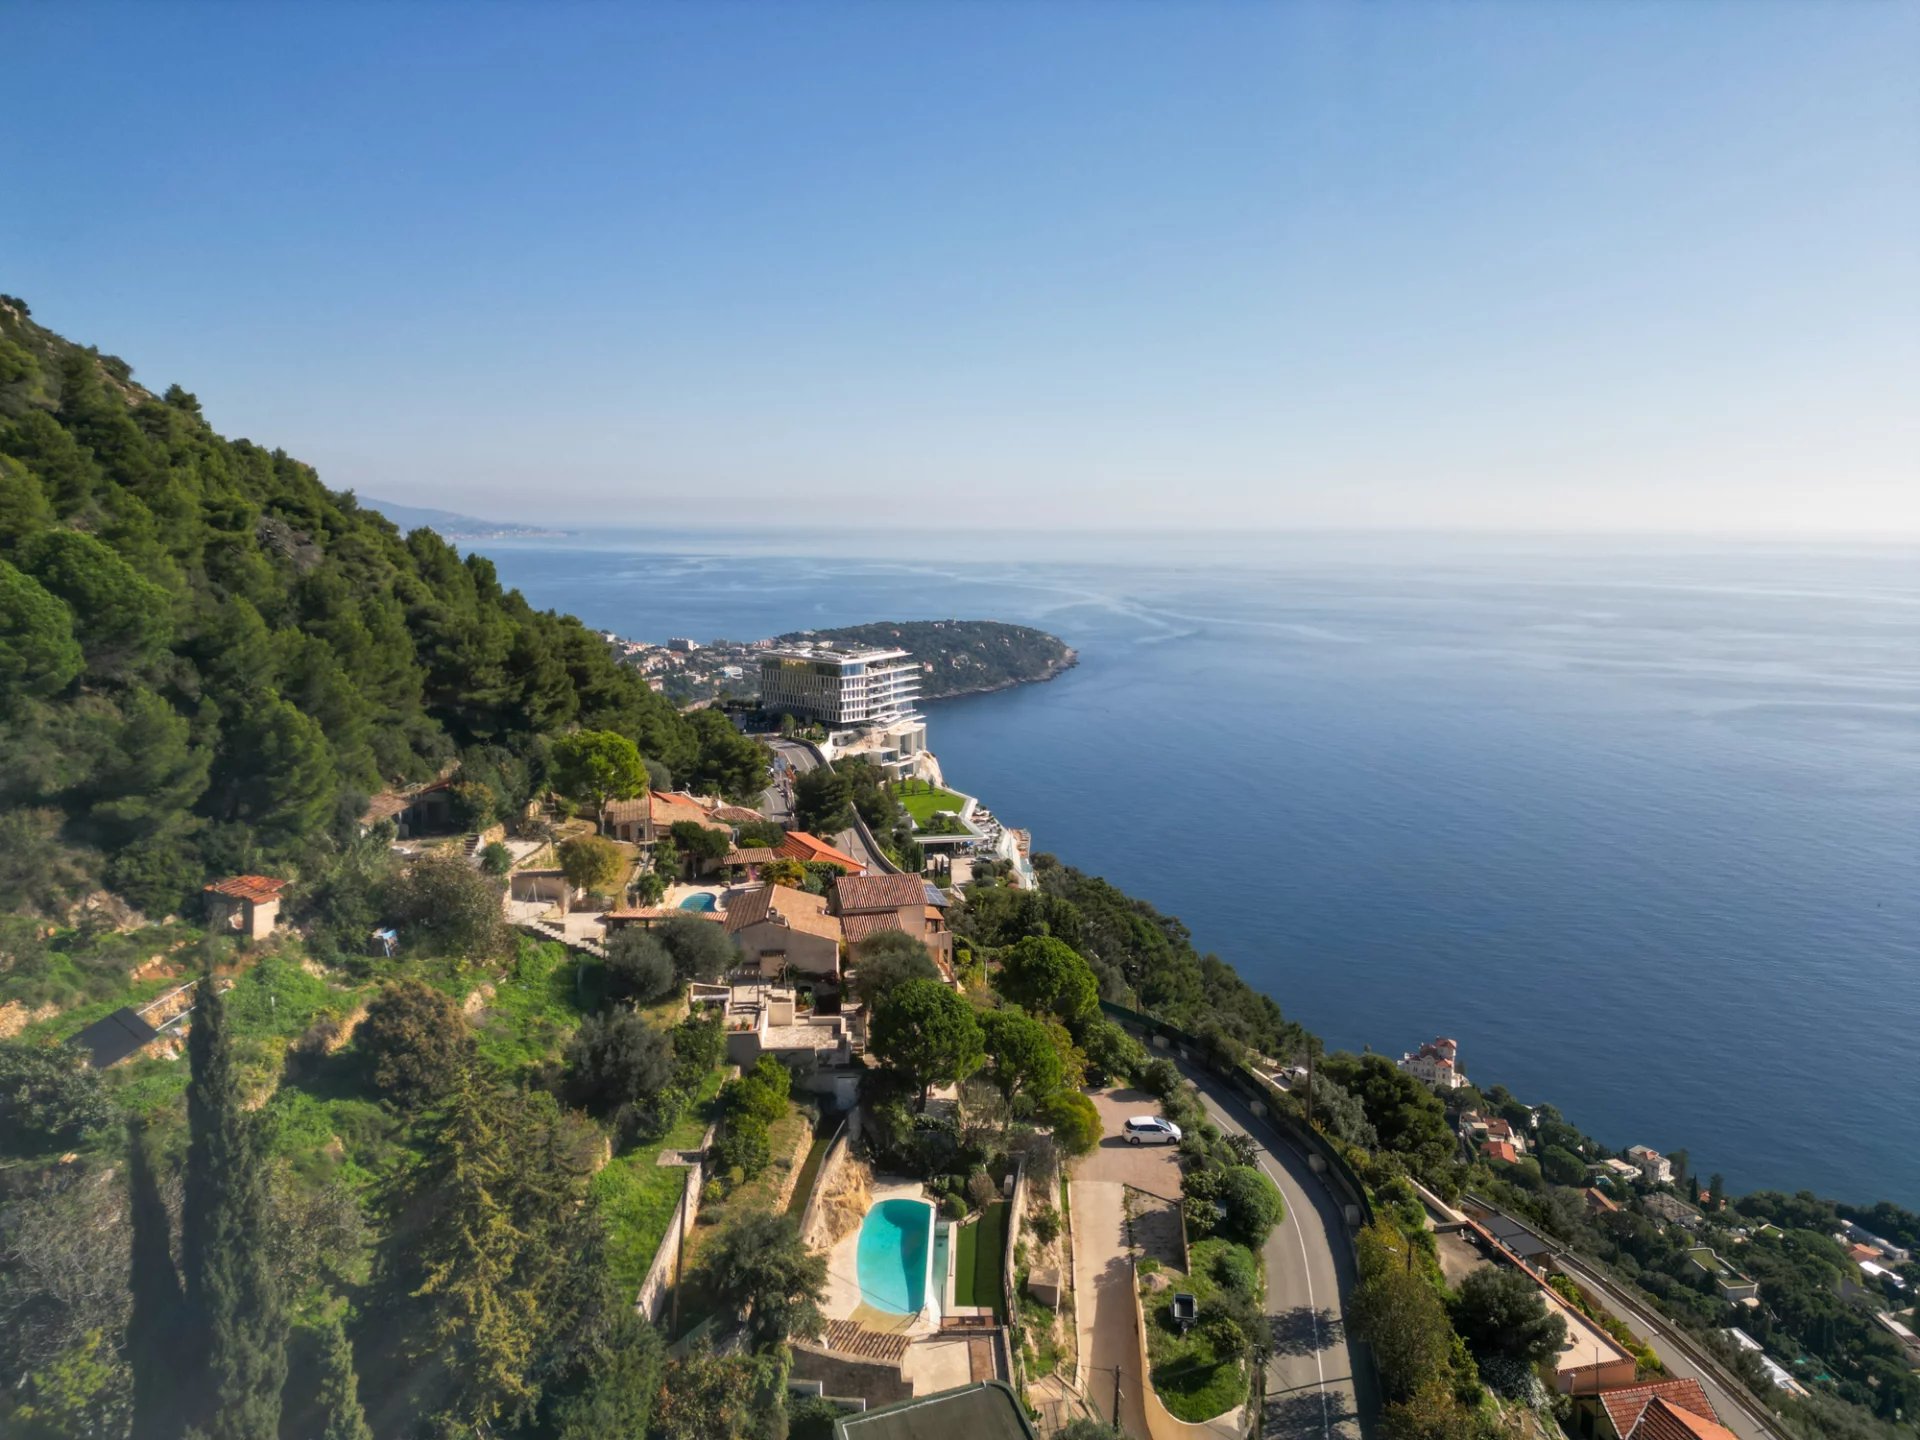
777	805
1315	1388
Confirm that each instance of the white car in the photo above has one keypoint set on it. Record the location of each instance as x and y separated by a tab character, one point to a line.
1151	1130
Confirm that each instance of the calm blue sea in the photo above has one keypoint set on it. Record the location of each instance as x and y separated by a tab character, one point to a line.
1637	822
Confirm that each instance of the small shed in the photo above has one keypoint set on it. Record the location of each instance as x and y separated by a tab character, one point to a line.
246	905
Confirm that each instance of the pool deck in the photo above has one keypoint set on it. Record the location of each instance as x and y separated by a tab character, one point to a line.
844	1300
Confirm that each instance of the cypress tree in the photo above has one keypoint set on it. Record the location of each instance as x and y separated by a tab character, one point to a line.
339	1398
236	1322
153	1322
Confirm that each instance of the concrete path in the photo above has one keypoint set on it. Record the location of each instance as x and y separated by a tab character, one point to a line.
1314	1390
1103	1303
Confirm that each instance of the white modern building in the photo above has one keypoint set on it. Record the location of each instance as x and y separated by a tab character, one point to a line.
840	687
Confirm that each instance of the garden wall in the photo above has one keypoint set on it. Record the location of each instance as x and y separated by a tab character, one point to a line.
657	1288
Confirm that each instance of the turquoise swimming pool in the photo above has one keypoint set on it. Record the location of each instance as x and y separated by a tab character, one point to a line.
700	901
895	1241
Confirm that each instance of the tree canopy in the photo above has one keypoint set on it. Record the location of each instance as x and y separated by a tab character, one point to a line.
927	1035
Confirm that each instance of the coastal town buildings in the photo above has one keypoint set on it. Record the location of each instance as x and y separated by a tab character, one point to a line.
786	932
1436	1063
840	687
1667	1410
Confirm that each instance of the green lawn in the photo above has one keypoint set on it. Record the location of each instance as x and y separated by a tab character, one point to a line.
637	1195
979	1248
1193	1382
922	803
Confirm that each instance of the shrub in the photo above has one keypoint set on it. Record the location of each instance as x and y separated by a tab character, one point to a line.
1045	1225
618	1059
49	1097
444	906
638	967
760	1093
1252	1202
700	949
743	1144
1075	1122
954	1207
415	1040
496	859
1235	1270
981	1189
1159	1077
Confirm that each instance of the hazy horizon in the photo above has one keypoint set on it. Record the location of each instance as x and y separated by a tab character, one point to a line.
1607	270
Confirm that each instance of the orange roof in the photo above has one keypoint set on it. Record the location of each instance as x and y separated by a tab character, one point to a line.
1627	1405
1664	1420
248	887
809	849
1500	1150
669	808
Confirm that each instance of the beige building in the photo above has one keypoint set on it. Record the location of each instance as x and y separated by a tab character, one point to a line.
786	931
870	904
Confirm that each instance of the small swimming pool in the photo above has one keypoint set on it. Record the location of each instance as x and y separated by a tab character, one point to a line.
896	1239
699	901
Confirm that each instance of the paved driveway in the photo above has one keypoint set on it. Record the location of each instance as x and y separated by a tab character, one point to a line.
1102	1276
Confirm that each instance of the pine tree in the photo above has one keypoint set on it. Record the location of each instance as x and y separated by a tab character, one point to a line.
339	1397
153	1322
233	1301
478	1326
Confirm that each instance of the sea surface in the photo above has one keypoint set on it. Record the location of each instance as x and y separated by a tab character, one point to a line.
1637	822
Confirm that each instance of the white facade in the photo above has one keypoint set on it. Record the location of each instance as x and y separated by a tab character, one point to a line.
1436	1063
1654	1167
840	687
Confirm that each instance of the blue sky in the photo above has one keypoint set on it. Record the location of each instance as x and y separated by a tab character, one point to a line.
1582	266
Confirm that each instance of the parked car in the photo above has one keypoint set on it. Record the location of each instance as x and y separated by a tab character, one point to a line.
1151	1130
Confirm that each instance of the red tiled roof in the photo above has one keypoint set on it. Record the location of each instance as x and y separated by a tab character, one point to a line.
628	812
735	814
865	927
1664	1420
752	855
1625	1406
853	893
808	849
1500	1150
248	887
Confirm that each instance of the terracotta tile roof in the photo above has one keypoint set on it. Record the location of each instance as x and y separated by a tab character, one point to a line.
853	893
248	887
1664	1420
865	927
1500	1150
749	909
809	849
1625	1406
752	855
735	814
795	909
629	812
669	808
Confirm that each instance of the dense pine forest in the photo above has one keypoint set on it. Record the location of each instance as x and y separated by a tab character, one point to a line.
209	661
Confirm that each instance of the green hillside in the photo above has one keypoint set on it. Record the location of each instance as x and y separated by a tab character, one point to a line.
209	660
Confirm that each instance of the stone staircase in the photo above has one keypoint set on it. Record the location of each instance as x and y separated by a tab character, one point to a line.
547	930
